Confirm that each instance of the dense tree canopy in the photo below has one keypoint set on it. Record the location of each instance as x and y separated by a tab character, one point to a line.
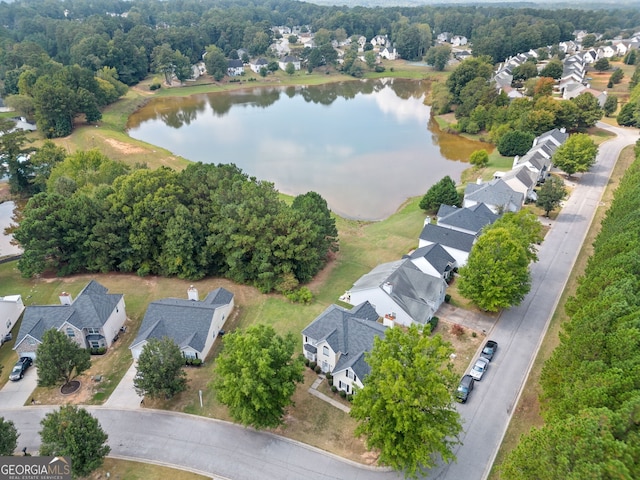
256	375
405	409
159	373
74	432
443	192
8	437
60	359
576	155
551	194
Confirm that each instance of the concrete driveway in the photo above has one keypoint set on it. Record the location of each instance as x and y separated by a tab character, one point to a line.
124	395
17	394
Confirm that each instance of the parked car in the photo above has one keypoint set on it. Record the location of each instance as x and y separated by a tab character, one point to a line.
19	368
479	368
464	389
489	349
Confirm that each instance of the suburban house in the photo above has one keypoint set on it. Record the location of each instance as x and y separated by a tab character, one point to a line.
495	194
92	320
258	64
192	324
338	339
11	307
457	244
283	62
388	52
400	292
468	220
538	160
235	68
522	180
433	260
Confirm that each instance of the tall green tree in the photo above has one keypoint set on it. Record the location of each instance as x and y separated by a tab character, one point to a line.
468	70
160	372
74	432
515	142
405	410
14	151
526	228
43	161
553	69
479	158
256	375
8	437
216	62
438	56
60	359
443	192
496	275
588	111
551	194
602	64
576	155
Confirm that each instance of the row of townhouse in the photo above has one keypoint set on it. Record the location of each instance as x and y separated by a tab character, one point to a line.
410	290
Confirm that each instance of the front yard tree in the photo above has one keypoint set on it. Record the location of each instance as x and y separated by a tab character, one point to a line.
60	359
290	69
576	155
479	158
160	372
8	437
256	375
405	408
551	194
602	64
443	192
74	432
496	275
215	62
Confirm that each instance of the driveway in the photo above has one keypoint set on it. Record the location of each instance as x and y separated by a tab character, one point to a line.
124	395
17	394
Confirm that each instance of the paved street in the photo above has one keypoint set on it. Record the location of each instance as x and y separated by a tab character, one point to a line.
229	451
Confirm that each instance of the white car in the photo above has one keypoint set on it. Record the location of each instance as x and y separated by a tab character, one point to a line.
479	368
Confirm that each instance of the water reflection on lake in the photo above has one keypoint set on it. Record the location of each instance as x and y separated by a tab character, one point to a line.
365	146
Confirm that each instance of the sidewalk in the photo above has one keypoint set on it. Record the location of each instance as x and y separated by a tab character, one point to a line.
313	391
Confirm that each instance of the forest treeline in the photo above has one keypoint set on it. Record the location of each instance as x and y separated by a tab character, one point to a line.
63	59
591	383
97	215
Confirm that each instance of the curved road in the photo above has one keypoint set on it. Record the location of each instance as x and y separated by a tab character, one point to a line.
225	450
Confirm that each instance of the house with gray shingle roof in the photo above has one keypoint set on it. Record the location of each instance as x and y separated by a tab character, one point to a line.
522	180
468	220
496	195
283	62
399	291
192	324
433	260
92	320
235	67
457	244
338	339
258	64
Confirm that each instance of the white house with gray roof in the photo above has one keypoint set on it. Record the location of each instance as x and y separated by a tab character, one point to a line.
433	260
467	220
92	320
400	292
289	59
338	339
522	180
457	244
192	324
496	195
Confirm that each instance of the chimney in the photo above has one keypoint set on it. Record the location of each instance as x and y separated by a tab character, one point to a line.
427	220
192	293
387	287
479	181
65	298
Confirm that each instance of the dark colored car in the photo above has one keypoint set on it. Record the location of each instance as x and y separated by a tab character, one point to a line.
464	389
19	368
489	350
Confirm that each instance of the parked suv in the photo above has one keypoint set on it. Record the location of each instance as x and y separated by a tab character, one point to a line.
464	389
19	368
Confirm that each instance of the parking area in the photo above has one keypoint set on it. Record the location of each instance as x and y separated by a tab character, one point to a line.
17	394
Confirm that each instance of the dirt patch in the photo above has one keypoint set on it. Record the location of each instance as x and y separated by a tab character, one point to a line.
125	148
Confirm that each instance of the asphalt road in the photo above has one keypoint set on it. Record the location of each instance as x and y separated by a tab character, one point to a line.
229	451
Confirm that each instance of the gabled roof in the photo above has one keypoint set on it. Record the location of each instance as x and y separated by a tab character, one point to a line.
496	192
525	176
437	257
350	333
290	59
447	237
556	135
186	322
91	309
473	218
235	63
260	61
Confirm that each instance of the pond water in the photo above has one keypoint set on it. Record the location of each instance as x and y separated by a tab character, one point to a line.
365	146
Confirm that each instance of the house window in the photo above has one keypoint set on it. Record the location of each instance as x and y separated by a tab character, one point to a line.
350	374
306	339
70	332
95	344
93	331
325	351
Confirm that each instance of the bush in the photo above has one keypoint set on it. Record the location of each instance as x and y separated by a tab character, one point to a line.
447	298
330	380
155	86
302	295
343	394
312	365
317	369
379	69
433	323
334	389
99	351
350	398
457	330
329	376
196	362
306	361
474	334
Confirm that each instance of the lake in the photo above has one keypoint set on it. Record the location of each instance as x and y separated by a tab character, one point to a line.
365	146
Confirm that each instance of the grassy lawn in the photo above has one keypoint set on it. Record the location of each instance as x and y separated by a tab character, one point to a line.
527	412
128	470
